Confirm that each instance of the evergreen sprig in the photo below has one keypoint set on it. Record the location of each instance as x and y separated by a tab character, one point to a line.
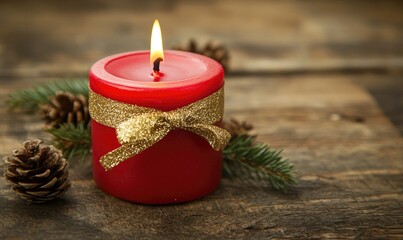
252	162
243	158
30	99
74	141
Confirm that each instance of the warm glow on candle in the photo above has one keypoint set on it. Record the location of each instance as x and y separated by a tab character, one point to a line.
156	43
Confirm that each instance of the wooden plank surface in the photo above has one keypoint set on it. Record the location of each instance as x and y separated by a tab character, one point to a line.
321	79
350	175
43	37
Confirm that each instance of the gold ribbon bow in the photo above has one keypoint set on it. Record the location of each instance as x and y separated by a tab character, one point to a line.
138	128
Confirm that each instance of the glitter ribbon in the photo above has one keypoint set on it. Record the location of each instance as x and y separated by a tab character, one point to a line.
138	128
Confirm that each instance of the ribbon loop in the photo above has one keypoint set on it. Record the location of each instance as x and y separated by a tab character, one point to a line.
138	128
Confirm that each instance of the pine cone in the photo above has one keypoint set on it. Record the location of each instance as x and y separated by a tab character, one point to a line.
65	107
37	172
215	51
237	128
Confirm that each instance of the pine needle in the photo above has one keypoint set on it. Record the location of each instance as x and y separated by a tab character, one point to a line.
30	99
243	159
74	141
257	163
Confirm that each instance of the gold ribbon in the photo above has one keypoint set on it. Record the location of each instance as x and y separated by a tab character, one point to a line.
138	128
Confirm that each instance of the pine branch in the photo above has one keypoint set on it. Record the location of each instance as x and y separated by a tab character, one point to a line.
74	141
243	158
257	163
30	99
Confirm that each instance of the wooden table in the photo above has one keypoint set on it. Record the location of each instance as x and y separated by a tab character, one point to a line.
323	80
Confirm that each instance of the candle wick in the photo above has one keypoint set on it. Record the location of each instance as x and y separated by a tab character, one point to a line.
156	67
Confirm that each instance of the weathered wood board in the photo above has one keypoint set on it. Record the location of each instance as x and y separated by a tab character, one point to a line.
321	79
48	37
350	170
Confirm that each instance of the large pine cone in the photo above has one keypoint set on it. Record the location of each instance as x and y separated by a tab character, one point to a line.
215	51
65	107
37	172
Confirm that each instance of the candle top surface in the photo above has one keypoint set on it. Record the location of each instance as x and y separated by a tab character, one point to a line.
127	77
133	70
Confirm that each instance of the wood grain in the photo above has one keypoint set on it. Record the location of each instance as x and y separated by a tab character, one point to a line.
322	80
351	175
43	37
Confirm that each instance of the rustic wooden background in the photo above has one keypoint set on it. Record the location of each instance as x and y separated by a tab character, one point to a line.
321	79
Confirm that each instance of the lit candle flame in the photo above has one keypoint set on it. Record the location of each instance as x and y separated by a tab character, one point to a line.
157	50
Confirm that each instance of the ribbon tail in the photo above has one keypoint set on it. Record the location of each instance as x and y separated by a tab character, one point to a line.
216	136
127	150
115	157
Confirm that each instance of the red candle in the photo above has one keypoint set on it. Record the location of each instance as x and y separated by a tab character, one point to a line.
180	167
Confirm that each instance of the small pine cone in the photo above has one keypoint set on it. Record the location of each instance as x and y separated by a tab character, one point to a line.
237	128
65	107
215	51
37	172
